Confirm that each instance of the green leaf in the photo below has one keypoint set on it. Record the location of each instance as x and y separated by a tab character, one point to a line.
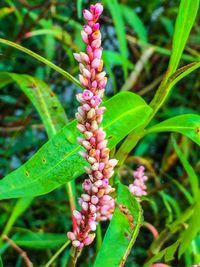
58	161
41	96
45	241
116	13
188	125
167	253
135	22
186	16
41	59
79	8
120	235
192	230
193	179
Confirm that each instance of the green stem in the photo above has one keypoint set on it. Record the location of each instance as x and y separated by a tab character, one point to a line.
72	202
55	256
74	254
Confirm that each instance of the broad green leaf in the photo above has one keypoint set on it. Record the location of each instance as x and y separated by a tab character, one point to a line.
186	16
192	230
41	96
20	207
58	161
39	240
135	22
116	13
193	179
188	125
121	235
53	118
41	59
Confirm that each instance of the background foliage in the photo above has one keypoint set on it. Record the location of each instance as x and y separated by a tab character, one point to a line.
37	101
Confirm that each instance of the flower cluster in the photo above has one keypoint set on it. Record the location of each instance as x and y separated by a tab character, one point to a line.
96	203
138	187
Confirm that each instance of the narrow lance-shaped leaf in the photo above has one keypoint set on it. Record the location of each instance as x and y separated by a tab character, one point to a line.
193	179
41	59
116	13
192	230
122	231
186	16
188	125
58	160
41	96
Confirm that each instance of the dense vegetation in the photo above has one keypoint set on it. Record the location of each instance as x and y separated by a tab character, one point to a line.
151	57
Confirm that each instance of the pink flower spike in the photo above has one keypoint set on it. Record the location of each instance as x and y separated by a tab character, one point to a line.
95	203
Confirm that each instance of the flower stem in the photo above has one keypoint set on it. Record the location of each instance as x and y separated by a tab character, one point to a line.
55	256
74	254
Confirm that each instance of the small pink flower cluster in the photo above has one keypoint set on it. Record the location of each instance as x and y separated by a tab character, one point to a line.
96	203
138	187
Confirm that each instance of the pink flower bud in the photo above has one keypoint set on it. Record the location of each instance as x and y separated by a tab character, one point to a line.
87	241
88	135
77	57
76	243
91	113
87	14
77	215
86	144
84	206
93	208
71	236
102	144
86	107
85	197
97	53
86	73
84	57
98	9
96	43
84	36
101	75
87	95
96	26
94	200
95	63
113	162
88	30
92	225
81	127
